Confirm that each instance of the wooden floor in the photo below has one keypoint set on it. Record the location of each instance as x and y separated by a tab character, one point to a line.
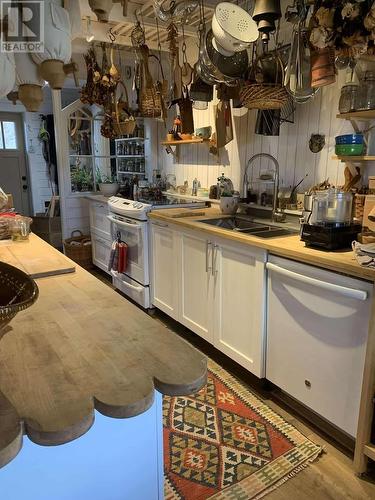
329	478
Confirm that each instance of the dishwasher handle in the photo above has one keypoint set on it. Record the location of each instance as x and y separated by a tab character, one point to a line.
339	289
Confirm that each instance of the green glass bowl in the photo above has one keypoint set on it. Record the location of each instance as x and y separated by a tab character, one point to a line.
349	149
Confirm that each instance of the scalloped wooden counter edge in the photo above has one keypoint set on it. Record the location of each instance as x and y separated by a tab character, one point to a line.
83	347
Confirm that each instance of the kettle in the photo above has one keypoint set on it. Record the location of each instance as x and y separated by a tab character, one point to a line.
224	185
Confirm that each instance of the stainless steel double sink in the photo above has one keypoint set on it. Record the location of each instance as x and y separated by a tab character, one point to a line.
243	224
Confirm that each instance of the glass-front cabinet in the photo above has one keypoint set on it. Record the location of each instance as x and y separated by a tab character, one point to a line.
92	157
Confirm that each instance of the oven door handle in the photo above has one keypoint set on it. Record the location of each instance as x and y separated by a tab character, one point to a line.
124	224
138	288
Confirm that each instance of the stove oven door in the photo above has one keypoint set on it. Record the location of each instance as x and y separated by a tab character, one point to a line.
134	234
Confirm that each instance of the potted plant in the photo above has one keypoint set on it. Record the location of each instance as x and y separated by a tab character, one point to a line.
108	185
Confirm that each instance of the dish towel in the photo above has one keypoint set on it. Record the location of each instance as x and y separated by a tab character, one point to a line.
118	257
364	253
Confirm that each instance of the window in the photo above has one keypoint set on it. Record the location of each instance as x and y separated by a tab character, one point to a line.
8	136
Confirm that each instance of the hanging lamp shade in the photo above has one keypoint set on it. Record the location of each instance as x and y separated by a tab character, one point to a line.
74	10
30	91
7	72
57	44
101	8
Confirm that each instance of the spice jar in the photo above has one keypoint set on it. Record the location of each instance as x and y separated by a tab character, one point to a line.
367	92
349	98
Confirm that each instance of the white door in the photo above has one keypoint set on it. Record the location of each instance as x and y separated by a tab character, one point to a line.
239	305
13	173
196	284
317	328
164	281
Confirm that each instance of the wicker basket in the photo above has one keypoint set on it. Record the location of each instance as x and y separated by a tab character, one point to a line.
17	292
127	126
78	248
263	96
150	104
4	228
256	95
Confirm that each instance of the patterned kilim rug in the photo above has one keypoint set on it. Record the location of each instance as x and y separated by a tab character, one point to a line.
225	443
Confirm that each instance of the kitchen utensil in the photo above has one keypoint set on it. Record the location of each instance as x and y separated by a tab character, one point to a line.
199	90
298	71
204	132
180	12
186	111
349	139
186	73
331	207
323	67
223	123
233	28
206	68
232	65
349	149
266	13
177	78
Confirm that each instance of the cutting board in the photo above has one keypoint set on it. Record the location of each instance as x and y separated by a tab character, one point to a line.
369	205
35	257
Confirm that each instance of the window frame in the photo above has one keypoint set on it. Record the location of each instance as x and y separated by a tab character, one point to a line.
4	148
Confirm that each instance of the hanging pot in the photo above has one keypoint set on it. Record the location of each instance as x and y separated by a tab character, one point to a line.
101	8
30	84
57	45
323	67
7	72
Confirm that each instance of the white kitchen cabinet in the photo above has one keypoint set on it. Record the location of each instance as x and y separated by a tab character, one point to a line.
99	223
317	327
163	259
101	249
196	279
239	300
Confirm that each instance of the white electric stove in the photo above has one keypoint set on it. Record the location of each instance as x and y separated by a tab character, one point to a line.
129	222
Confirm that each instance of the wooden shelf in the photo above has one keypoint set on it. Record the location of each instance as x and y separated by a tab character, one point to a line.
130	156
367	114
129	139
354	158
179	143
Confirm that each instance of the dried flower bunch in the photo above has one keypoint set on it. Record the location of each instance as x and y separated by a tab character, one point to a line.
347	26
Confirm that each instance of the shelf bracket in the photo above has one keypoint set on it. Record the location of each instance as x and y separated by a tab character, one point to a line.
175	154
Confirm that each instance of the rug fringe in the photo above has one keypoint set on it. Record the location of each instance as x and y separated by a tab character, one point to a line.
290	475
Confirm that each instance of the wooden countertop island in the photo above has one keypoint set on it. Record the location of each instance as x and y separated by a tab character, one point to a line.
82	347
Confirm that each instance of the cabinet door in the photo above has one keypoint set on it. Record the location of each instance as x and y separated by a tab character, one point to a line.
196	281
164	269
101	249
239	305
99	222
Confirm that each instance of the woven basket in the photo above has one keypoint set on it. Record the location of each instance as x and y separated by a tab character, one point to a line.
78	248
255	95
150	105
263	96
4	228
127	126
17	292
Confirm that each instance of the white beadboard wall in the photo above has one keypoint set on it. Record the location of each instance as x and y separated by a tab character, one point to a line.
291	148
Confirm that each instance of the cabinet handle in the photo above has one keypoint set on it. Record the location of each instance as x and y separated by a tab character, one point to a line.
339	289
208	268
213	270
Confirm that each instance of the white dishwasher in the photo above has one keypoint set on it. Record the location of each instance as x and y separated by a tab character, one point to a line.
317	325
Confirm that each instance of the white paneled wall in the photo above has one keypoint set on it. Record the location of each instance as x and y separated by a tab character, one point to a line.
291	148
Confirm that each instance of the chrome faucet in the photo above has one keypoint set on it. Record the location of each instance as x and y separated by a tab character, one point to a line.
277	215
